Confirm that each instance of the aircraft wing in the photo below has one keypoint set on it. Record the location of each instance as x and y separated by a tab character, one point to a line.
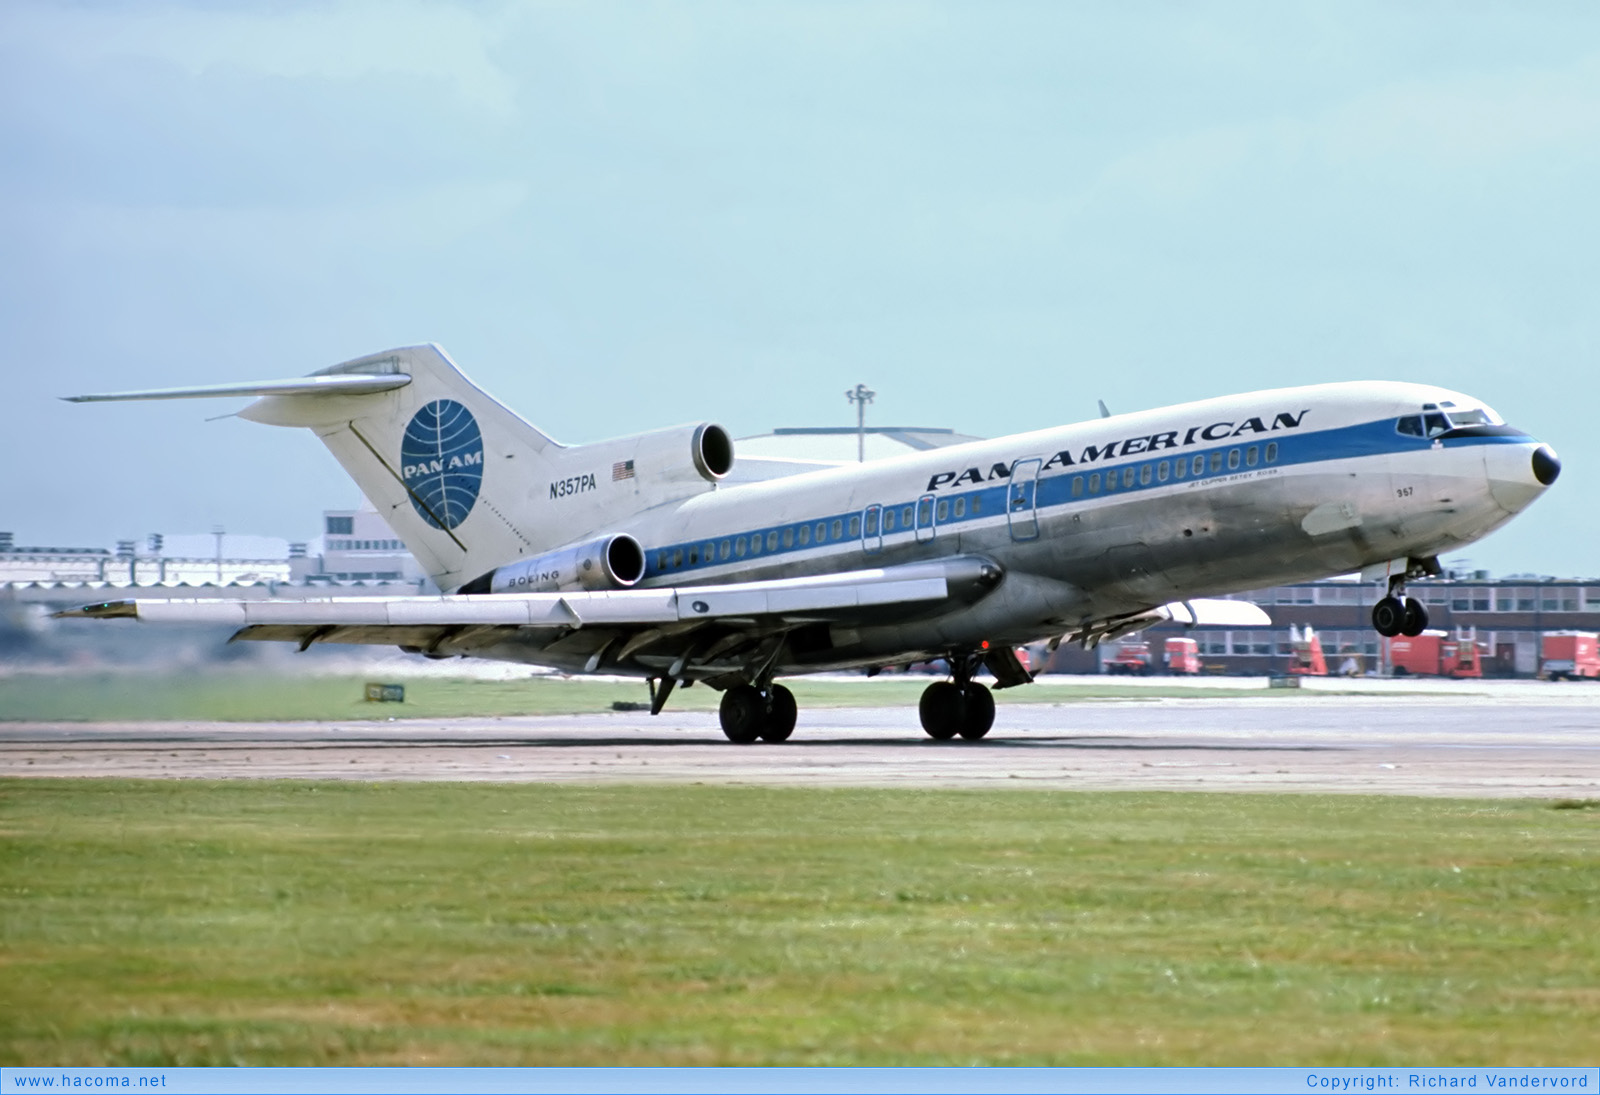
478	620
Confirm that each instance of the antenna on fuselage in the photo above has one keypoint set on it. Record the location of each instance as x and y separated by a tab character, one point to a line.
1104	413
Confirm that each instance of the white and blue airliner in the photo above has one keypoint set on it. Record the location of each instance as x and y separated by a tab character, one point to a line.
646	556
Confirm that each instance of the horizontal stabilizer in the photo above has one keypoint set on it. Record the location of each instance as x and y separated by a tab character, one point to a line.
341	384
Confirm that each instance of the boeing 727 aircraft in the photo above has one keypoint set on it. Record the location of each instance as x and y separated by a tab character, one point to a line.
639	556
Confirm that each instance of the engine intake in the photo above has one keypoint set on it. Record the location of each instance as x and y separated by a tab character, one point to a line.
610	562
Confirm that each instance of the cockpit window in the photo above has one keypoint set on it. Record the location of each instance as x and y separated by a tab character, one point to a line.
1441	417
1476	416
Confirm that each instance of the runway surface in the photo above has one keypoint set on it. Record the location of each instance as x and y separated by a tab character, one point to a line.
1512	743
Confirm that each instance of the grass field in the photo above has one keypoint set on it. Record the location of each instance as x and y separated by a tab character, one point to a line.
261	923
251	697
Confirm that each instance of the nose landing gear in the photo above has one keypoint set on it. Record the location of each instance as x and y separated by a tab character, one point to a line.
1398	614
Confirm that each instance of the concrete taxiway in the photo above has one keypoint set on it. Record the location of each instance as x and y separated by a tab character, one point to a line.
1496	744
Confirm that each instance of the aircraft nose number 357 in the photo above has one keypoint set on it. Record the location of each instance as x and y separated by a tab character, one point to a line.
441	462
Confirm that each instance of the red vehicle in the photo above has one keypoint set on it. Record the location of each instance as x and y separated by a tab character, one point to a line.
1182	657
1437	654
1132	658
1569	655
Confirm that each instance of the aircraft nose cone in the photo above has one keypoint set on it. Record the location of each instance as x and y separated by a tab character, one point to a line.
1546	465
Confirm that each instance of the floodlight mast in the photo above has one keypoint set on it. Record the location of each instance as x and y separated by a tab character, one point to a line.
861	395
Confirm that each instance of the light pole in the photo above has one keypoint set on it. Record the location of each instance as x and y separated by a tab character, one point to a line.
861	395
217	531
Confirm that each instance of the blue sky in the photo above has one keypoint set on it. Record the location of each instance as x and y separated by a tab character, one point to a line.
618	217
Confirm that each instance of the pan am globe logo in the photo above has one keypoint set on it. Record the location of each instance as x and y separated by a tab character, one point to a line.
441	462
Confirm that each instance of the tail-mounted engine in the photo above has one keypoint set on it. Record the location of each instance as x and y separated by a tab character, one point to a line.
681	454
610	562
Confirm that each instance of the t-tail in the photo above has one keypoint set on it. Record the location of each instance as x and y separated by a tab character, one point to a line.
468	484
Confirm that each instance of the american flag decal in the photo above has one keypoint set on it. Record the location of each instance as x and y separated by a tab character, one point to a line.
624	470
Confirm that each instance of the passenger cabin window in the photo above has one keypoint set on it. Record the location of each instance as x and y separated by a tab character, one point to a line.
822	532
788	537
855	527
925	512
1094	483
1272	452
738	548
1144	475
961	505
1198	466
755	544
1180	467
1077	486
805	535
905	516
888	520
1233	459
872	522
1127	476
1161	472
1251	455
977	503
944	509
1216	462
726	549
838	528
772	540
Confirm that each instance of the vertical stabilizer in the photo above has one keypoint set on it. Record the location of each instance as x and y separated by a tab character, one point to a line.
447	466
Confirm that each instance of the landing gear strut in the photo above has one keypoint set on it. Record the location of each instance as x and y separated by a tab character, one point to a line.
962	706
1398	614
748	713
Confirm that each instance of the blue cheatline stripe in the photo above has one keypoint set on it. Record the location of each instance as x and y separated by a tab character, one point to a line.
1056	488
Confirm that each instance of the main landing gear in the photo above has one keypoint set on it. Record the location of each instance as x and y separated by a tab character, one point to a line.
1397	614
962	706
749	713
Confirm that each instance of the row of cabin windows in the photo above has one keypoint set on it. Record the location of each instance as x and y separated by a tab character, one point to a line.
926	511
1181	468
741	546
822	532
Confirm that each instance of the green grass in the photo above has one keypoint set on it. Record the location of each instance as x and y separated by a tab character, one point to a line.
294	923
237	697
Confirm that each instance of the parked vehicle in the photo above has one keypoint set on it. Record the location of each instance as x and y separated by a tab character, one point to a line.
1569	655
1182	657
1438	654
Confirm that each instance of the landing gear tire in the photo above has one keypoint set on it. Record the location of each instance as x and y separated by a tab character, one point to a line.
781	714
978	715
1414	621
1388	617
943	710
743	713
